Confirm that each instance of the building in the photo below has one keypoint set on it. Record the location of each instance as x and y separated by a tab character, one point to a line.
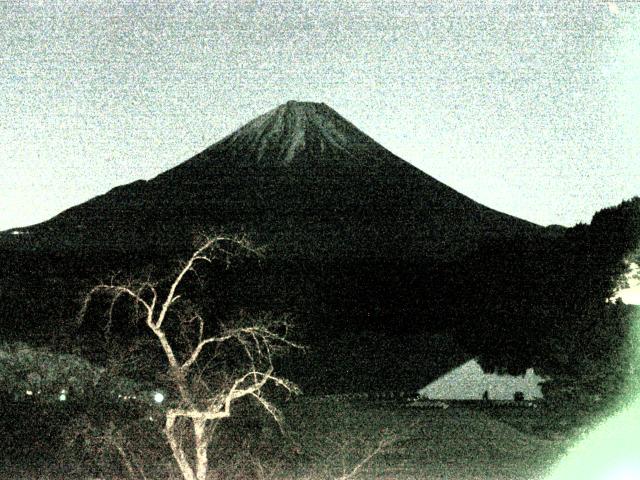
469	382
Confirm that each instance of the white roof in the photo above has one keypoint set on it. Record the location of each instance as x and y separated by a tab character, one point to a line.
469	382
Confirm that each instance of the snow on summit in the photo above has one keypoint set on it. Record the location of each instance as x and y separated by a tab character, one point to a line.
284	132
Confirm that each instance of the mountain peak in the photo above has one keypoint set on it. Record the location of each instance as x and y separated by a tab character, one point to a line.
296	104
300	113
295	132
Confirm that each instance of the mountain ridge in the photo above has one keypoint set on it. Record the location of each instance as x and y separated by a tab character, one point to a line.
300	176
293	122
303	135
359	244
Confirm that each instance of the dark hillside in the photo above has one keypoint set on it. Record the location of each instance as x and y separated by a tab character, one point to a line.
364	249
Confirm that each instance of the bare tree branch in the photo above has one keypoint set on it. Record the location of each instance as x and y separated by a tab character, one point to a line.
259	341
382	444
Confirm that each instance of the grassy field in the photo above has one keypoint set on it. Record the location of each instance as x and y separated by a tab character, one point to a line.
329	437
461	442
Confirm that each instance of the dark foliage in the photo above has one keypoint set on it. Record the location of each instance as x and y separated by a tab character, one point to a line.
391	276
544	304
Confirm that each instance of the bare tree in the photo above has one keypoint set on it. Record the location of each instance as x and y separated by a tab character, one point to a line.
383	444
164	311
101	441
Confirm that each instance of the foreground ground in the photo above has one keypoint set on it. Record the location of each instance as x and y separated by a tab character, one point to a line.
460	442
329	437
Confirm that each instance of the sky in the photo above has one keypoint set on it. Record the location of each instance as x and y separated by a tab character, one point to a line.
530	108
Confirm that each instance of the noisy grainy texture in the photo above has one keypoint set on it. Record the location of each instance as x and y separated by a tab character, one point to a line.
423	216
527	107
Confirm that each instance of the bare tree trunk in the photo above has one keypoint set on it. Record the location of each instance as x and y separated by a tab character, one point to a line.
257	341
125	460
127	463
202	463
176	449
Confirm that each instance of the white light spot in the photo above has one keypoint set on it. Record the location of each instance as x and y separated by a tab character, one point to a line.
158	397
62	397
29	392
624	472
631	294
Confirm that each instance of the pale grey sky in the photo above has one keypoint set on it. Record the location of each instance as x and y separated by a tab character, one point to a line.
531	108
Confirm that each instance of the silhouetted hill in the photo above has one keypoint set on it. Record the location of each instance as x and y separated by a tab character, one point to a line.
360	245
300	179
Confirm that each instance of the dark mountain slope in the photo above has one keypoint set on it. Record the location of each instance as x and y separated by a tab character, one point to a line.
300	179
360	246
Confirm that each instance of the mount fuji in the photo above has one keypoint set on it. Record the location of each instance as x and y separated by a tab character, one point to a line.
359	246
300	179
